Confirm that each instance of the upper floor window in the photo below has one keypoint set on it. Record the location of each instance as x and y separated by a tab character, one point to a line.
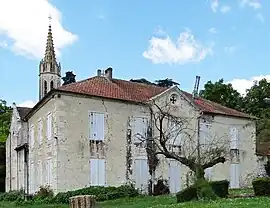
45	87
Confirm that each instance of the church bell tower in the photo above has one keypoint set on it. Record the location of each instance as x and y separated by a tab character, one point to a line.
49	69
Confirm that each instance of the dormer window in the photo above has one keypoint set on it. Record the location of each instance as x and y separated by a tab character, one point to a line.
173	98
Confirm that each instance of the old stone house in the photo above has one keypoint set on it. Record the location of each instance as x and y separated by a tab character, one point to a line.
85	134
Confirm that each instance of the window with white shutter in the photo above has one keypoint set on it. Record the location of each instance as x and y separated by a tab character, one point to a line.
40	179
32	178
205	137
97	126
208	173
40	131
49	172
97	172
234	137
175	134
49	126
139	130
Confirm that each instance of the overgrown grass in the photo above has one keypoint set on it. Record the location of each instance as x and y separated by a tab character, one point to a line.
163	202
241	191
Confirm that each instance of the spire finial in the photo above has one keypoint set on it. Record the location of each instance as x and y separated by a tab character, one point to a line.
50	19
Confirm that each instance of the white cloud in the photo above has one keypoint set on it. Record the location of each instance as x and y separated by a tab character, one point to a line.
26	25
225	9
213	30
242	84
214	5
255	4
27	103
260	17
186	49
3	44
229	49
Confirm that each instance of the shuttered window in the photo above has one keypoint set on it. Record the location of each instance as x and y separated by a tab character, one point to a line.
97	172
32	178
208	173
141	174
40	179
49	126
40	131
205	137
234	137
139	130
235	176
175	134
96	126
49	171
32	135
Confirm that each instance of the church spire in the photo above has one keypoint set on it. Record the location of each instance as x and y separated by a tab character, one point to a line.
49	52
49	69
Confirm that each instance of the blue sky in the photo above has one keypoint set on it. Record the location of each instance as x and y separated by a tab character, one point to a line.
175	39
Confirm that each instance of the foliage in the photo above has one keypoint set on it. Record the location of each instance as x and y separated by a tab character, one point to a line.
102	193
261	186
221	188
43	193
166	82
223	94
12	196
267	168
69	78
161	188
204	190
143	81
187	194
5	118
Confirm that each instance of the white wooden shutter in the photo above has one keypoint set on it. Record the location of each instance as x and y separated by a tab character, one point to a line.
40	131
40	179
140	125
97	122
174	176
94	172
235	176
175	134
101	172
32	136
49	126
208	173
32	178
141	174
234	135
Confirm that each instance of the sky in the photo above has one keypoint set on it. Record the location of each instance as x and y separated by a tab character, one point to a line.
152	39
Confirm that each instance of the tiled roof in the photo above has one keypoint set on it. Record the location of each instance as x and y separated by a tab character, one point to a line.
23	111
138	92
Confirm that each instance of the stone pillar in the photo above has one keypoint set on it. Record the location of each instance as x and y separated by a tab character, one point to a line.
84	201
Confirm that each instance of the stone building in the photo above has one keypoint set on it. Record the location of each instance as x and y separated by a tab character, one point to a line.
86	133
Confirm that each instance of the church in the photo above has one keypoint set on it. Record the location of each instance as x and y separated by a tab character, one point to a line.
86	134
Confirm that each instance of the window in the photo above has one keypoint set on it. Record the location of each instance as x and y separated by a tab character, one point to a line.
175	134
45	87
205	137
49	126
234	136
139	131
39	169
97	172
49	172
32	178
40	131
32	136
96	126
208	173
51	85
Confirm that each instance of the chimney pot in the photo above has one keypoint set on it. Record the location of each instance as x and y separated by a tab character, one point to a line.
108	73
99	72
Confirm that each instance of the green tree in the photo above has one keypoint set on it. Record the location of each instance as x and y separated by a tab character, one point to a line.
5	118
166	82
223	94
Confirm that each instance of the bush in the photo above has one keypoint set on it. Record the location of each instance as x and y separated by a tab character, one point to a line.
161	188
204	190
261	186
12	196
101	193
221	188
43	193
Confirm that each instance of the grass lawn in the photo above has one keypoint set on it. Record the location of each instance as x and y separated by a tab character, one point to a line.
164	202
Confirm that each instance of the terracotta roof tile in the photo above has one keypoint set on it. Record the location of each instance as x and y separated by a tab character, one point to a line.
138	92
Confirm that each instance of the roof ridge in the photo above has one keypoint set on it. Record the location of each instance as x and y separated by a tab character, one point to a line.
139	83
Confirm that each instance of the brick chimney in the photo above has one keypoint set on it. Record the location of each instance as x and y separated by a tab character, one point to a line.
108	73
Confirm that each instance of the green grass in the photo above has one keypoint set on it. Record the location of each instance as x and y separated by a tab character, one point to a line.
163	202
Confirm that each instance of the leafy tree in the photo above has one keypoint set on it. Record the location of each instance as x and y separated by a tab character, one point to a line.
69	78
142	80
166	82
223	94
5	118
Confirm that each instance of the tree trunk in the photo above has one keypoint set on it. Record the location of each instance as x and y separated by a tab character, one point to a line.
85	201
199	173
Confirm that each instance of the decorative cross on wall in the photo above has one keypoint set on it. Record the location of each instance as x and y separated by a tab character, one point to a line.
173	99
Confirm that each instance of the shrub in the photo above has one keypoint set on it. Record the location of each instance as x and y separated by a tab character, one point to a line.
205	191
43	193
12	196
161	188
101	193
187	194
221	188
261	186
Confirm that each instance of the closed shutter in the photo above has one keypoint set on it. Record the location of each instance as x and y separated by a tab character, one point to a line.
235	176
175	134
101	172
32	178
141	174
50	172
94	172
208	173
97	126
205	137
40	131
32	136
234	135
174	176
40	173
140	125
49	126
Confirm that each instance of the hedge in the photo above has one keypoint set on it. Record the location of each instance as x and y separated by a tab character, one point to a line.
261	186
101	193
220	189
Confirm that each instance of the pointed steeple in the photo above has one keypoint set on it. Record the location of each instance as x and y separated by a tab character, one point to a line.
49	69
49	52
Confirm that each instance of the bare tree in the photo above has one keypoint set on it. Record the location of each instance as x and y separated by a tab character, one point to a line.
180	138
